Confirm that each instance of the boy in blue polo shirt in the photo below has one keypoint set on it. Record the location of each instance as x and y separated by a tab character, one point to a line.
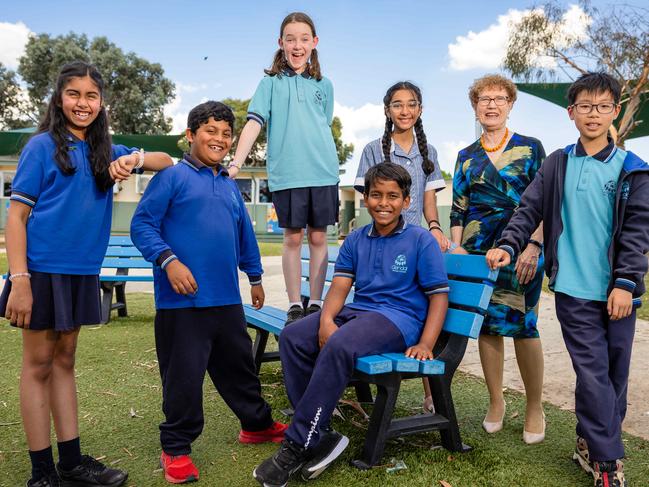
593	199
193	225
400	302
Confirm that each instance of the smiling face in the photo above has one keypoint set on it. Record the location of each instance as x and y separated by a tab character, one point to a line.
493	116
385	202
404	110
297	42
593	126
81	104
211	142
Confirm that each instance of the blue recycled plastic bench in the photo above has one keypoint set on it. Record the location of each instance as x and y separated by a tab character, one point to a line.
471	286
123	256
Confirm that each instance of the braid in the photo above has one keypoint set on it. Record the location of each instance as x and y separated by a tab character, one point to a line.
386	140
427	165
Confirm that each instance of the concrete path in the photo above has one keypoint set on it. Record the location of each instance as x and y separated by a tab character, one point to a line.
559	377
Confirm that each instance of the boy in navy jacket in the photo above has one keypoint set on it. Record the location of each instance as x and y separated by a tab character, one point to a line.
192	224
593	199
400	302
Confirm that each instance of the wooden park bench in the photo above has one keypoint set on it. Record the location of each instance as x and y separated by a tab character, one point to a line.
471	286
123	256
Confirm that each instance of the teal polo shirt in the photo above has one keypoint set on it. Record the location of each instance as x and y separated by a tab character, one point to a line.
297	111
587	215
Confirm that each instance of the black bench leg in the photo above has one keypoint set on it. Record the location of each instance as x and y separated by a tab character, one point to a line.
259	347
387	391
106	301
440	386
120	298
363	392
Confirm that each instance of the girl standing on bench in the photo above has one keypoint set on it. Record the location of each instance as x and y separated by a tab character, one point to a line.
57	233
296	104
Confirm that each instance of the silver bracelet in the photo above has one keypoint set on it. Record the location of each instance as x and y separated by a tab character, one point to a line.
19	274
140	161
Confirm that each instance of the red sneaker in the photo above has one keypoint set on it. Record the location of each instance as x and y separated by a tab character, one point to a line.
275	434
179	469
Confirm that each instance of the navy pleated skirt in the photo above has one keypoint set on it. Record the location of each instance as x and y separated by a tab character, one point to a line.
62	302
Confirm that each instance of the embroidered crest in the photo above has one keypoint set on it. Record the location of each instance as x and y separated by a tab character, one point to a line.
400	264
626	189
318	97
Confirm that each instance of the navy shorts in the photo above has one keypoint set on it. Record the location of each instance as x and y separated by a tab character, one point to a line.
62	302
315	206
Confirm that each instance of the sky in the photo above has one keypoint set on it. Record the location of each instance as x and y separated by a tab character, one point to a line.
365	46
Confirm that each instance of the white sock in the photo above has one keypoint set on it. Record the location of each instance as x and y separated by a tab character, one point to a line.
317	302
294	303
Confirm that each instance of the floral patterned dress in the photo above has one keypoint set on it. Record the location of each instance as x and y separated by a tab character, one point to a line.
485	196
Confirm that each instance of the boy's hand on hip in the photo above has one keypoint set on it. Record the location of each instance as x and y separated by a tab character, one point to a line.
420	352
327	328
120	169
180	277
19	303
497	258
257	295
620	304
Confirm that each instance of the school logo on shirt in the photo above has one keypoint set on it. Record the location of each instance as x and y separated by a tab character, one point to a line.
626	188
609	189
318	97
400	264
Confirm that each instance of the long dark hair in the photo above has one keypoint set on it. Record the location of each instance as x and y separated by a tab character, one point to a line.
97	134
386	142
280	64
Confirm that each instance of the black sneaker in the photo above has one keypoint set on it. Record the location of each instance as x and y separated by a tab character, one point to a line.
276	470
91	472
294	313
607	474
313	308
331	445
50	480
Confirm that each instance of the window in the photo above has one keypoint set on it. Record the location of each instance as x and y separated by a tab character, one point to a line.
245	188
264	192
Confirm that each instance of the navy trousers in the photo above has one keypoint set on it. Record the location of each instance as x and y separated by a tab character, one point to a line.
600	350
315	379
191	341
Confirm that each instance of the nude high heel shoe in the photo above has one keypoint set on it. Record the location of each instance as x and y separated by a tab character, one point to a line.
534	438
494	426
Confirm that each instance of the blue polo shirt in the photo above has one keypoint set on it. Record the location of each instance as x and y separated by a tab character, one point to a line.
297	111
191	213
394	275
69	225
411	161
587	216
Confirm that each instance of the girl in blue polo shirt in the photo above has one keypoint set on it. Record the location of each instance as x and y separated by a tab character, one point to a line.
57	233
296	103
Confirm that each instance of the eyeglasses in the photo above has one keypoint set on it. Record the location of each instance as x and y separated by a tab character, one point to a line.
397	105
500	101
603	108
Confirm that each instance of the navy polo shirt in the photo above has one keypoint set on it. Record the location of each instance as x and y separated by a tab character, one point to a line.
69	226
394	275
191	213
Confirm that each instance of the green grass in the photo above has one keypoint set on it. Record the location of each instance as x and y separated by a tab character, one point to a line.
117	373
268	249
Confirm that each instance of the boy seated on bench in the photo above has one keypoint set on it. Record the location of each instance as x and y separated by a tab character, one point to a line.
400	302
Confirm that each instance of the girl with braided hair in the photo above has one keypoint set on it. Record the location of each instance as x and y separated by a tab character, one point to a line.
404	143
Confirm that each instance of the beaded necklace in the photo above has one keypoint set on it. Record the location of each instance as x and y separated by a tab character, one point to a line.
497	147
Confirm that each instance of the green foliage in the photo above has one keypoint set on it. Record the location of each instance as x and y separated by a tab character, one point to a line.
257	156
12	104
616	40
447	175
136	89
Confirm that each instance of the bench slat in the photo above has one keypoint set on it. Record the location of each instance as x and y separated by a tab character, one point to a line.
118	240
463	323
470	294
374	364
116	251
124	278
432	367
469	267
401	363
332	253
263	321
112	263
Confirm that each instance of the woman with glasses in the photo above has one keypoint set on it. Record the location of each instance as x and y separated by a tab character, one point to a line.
490	177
